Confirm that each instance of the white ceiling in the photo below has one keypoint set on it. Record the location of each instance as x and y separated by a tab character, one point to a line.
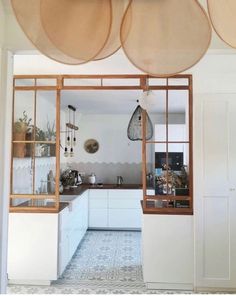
120	101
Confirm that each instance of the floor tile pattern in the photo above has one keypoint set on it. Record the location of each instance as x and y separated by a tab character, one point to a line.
106	262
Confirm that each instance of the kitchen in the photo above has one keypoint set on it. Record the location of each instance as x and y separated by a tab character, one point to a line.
104	204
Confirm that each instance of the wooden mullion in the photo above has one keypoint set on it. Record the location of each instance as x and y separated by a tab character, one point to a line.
33	196
169	142
57	176
190	107
167	197
30	88
144	157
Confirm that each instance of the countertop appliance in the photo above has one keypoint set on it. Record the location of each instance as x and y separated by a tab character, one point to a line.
120	180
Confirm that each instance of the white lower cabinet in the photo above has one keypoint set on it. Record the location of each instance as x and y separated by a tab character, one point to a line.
73	223
115	208
40	245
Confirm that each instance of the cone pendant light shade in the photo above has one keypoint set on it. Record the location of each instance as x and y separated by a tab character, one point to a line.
134	131
223	18
165	37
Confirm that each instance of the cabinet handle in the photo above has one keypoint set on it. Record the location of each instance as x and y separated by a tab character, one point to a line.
231	189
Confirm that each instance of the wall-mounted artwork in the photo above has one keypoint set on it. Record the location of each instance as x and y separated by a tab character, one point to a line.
91	146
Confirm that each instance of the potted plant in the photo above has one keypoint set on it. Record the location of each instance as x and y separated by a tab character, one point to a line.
21	128
51	136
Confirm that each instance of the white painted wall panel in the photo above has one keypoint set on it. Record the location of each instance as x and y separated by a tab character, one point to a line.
215	144
33	246
167	242
216	238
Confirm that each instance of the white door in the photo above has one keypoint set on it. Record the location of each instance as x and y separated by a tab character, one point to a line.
215	194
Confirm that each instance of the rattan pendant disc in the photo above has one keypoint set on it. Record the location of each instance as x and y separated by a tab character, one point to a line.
222	14
113	43
78	28
165	37
28	17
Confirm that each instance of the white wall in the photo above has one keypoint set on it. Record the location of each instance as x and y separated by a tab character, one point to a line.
5	148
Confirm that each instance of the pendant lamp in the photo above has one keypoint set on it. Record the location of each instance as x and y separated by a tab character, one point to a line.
134	131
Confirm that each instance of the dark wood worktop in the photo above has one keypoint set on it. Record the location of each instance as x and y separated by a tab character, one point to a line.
83	187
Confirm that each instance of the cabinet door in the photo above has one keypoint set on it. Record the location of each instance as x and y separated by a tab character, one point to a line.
98	208
98	218
215	202
124	218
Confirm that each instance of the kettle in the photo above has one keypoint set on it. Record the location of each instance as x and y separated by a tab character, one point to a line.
119	180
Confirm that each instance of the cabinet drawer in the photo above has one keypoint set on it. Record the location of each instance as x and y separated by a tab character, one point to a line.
125	218
130	203
98	203
125	193
98	218
98	193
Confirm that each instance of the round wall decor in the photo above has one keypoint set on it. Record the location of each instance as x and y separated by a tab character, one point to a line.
91	146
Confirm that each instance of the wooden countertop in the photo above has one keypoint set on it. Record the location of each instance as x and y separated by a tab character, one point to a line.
83	187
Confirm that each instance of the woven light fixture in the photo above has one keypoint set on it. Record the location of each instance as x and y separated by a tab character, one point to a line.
134	131
223	18
160	37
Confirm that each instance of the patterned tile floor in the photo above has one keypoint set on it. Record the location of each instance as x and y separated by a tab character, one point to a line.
106	262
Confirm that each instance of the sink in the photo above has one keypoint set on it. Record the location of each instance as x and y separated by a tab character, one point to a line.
67	198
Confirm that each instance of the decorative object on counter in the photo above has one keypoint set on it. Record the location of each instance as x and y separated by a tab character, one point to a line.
119	181
68	178
149	178
50	134
51	182
171	36
134	131
167	181
92	179
71	128
61	188
91	146
22	131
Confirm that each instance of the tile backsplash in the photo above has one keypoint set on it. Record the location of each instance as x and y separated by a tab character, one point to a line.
107	172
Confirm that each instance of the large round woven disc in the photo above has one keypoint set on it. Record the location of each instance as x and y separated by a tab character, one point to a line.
79	28
222	14
113	42
27	13
165	37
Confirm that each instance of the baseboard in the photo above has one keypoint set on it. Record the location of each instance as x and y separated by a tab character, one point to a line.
170	286
214	289
30	282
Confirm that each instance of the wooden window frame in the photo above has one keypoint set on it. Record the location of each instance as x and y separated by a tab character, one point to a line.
60	85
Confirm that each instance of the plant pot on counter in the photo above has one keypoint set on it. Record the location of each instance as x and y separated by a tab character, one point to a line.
19	149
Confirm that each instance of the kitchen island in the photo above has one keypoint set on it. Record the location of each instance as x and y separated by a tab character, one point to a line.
46	242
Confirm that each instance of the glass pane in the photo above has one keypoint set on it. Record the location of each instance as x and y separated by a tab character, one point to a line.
23	115
156	108
24	82
45	169
178	115
27	202
22	174
46	82
178	81
45	116
178	159
157	81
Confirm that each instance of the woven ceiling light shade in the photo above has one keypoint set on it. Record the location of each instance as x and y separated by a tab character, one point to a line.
160	37
68	31
113	43
223	18
165	37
